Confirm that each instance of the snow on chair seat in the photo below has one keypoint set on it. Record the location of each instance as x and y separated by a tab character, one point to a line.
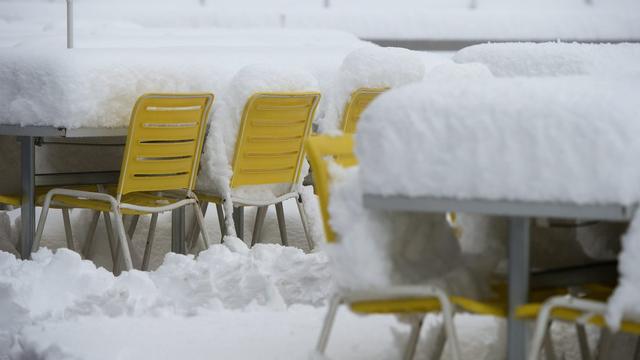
162	154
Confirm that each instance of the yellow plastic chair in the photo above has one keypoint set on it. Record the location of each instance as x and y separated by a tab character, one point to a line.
358	102
269	150
41	191
413	300
159	168
588	309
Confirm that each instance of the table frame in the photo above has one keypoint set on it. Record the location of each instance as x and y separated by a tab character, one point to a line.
29	136
519	214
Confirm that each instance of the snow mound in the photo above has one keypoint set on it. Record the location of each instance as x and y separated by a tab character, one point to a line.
61	285
216	165
377	249
553	59
369	67
95	87
571	146
452	71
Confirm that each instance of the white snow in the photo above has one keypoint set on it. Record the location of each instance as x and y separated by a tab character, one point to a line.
624	301
488	138
370	67
554	59
377	249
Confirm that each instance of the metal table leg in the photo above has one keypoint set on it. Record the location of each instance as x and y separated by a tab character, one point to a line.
177	231
238	219
28	207
518	285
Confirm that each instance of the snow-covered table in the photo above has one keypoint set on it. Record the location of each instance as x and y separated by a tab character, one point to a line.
29	136
520	215
518	148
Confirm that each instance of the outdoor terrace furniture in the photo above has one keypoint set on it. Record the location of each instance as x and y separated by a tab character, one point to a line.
159	168
414	301
268	151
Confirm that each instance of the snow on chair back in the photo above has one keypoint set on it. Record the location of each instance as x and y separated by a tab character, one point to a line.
359	101
318	148
164	143
269	149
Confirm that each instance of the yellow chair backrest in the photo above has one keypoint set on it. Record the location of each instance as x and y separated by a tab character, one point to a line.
164	142
318	149
358	101
270	143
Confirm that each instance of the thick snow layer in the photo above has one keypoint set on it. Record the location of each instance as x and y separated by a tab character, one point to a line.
553	59
488	138
97	87
378	249
370	67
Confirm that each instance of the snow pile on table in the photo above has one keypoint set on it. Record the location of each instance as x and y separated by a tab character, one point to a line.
377	249
452	71
62	286
370	67
570	134
554	59
217	161
96	88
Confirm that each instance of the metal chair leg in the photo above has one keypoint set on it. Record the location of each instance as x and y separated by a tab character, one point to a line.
281	224
414	335
132	225
583	342
123	241
203	231
305	223
194	232
549	349
257	227
113	246
238	220
150	237
438	347
43	218
66	219
220	211
87	250
329	319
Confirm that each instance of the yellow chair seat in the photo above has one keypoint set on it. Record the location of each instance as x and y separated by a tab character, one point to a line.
424	305
41	192
136	198
530	311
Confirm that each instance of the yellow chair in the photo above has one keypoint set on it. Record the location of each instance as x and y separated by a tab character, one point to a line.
415	300
589	308
41	191
358	102
159	168
269	150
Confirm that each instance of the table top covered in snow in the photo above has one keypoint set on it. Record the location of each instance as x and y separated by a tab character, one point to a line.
556	140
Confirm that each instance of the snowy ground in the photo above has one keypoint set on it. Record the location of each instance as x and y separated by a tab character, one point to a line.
267	303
